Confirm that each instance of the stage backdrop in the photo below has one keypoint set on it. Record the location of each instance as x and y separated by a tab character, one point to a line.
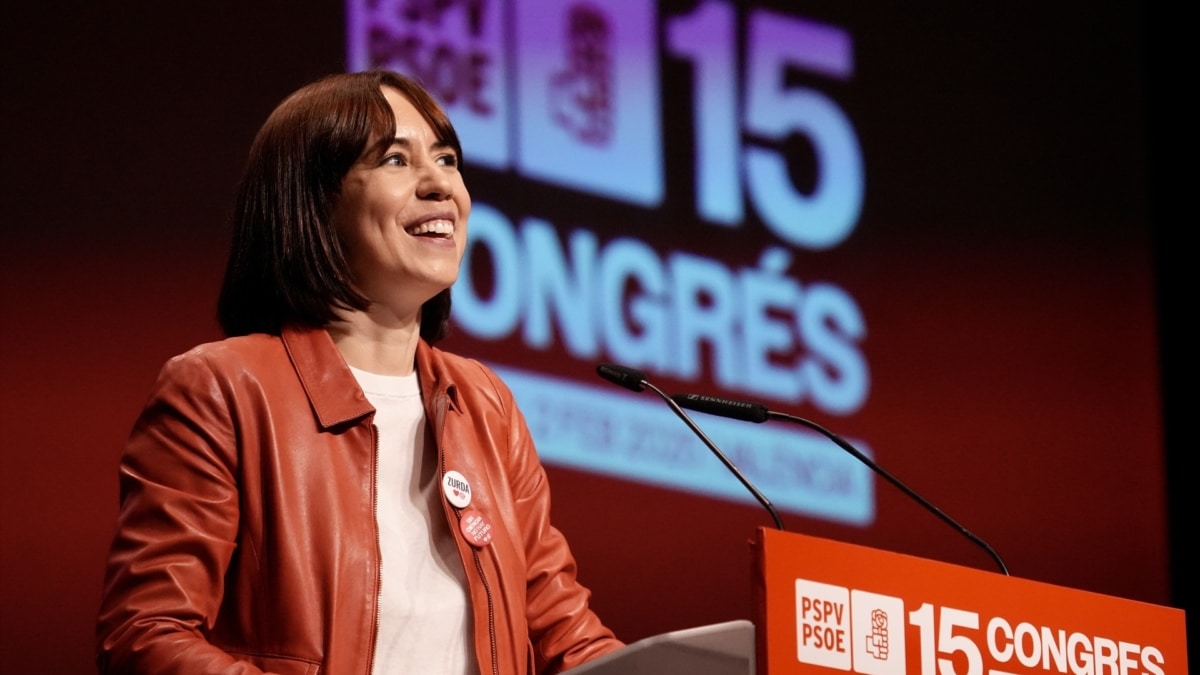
923	227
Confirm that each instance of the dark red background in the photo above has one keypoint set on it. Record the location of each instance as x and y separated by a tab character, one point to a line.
1018	176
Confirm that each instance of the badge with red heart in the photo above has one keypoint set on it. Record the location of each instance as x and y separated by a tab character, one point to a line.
456	488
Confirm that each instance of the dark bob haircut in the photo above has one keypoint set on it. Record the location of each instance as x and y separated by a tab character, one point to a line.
286	262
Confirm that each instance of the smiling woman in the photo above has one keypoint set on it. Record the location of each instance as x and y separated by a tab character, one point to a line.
402	219
324	490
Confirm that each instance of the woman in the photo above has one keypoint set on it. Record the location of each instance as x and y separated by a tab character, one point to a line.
324	491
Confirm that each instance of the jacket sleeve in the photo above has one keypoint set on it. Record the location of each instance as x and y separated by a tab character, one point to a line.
175	534
563	629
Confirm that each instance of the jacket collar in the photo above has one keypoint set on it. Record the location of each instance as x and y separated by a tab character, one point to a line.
437	381
332	390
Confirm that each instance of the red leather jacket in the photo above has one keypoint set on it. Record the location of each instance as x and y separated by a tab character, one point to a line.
246	538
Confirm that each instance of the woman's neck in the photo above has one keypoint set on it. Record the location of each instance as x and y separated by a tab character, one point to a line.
381	347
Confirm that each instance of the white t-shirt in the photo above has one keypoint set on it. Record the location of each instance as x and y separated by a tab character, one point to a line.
424	612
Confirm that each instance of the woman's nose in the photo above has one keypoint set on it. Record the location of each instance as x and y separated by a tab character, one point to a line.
435	183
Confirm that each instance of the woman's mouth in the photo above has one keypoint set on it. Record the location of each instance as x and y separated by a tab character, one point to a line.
431	228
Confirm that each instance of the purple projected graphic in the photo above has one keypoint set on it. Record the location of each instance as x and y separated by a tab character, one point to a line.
582	92
585	116
627	165
458	50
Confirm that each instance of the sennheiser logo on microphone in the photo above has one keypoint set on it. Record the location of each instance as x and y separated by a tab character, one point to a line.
745	405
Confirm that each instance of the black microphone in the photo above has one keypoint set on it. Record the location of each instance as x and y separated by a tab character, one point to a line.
758	413
634	380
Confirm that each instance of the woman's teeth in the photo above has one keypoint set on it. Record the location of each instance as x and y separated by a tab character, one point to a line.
432	227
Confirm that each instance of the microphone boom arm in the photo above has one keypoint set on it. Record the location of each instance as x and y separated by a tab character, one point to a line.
720	455
771	414
634	380
758	413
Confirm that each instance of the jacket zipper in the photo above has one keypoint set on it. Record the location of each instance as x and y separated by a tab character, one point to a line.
491	611
479	571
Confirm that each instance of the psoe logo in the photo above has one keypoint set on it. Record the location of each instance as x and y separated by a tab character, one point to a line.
852	630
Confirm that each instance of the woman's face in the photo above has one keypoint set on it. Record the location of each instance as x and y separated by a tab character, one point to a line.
402	215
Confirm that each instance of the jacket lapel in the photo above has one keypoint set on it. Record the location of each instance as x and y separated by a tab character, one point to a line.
332	390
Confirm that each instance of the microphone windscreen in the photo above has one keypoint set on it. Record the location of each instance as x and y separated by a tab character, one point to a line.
626	377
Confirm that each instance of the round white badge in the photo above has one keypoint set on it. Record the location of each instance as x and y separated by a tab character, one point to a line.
456	489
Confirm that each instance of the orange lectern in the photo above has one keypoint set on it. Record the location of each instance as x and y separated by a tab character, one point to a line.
824	606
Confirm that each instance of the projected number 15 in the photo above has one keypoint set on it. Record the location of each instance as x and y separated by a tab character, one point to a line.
585	100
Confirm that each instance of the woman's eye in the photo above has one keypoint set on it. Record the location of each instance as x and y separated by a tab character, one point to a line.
448	160
395	160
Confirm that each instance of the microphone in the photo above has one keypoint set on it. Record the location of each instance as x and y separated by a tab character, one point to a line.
756	412
634	380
